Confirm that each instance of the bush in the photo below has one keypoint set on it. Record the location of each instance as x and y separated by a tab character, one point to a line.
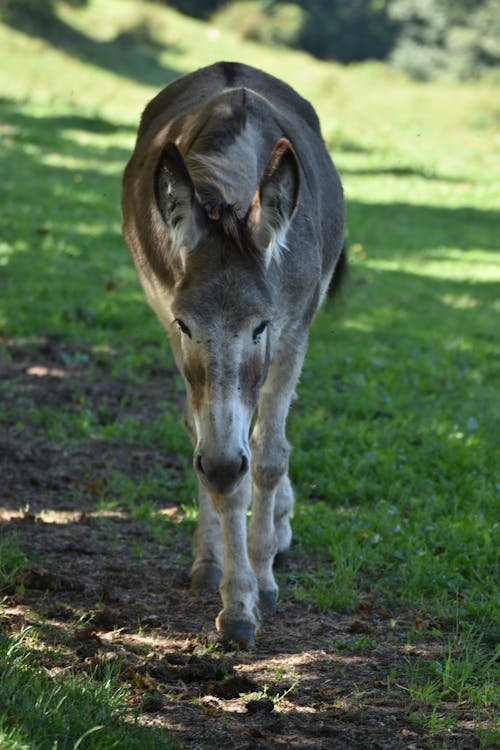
264	20
348	32
446	37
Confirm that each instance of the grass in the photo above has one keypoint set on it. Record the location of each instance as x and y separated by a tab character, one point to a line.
395	433
55	711
464	672
12	562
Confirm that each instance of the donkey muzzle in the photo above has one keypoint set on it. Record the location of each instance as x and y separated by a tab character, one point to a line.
221	474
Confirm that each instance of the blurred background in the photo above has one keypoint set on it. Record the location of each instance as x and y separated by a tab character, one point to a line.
425	38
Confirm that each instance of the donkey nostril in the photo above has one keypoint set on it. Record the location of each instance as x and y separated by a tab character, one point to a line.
243	466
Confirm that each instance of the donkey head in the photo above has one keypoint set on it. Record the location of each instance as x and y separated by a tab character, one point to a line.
222	305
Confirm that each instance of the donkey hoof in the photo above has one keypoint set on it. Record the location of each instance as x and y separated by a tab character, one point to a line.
206	577
267	601
281	557
237	632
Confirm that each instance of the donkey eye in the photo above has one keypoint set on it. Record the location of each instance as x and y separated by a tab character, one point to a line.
260	329
183	327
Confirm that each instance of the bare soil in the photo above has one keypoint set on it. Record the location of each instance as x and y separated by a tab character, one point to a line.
102	588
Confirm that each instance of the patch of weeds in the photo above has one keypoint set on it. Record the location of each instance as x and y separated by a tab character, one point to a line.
393	681
334	585
439	720
210	648
425	551
107	505
143	497
12	562
138	550
69	426
322	590
139	498
271	693
164	430
465	669
365	643
463	672
489	737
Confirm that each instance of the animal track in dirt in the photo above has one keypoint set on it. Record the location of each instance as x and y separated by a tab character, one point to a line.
299	689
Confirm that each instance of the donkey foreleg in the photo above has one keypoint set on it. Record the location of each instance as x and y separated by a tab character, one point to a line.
238	619
268	470
270	531
206	572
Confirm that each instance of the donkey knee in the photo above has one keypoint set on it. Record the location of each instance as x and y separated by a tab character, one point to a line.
268	470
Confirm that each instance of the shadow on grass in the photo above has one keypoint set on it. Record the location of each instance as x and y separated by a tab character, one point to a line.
49	129
132	54
397	171
60	223
335	144
95	124
403	229
28	139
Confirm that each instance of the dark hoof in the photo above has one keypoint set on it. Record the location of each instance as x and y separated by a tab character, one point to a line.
237	633
267	601
206	578
281	558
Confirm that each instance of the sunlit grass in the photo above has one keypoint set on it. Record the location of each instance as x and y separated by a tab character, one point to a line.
479	266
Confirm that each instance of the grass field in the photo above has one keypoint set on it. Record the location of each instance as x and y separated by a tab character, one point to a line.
395	431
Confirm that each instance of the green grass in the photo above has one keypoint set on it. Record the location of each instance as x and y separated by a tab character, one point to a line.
464	673
12	562
395	433
66	711
461	671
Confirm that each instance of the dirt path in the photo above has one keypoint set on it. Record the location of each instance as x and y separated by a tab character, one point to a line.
104	590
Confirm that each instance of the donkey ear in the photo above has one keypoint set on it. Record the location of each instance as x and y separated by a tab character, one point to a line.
176	200
273	204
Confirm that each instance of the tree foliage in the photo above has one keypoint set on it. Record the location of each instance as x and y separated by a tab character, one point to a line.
347	32
427	38
452	37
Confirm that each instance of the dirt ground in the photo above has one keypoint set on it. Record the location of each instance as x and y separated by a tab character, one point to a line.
103	589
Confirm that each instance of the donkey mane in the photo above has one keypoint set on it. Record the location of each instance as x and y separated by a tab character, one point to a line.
231	229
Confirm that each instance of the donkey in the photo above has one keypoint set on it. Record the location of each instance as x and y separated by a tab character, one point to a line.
234	216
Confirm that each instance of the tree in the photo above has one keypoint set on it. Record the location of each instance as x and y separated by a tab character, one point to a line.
452	37
348	32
